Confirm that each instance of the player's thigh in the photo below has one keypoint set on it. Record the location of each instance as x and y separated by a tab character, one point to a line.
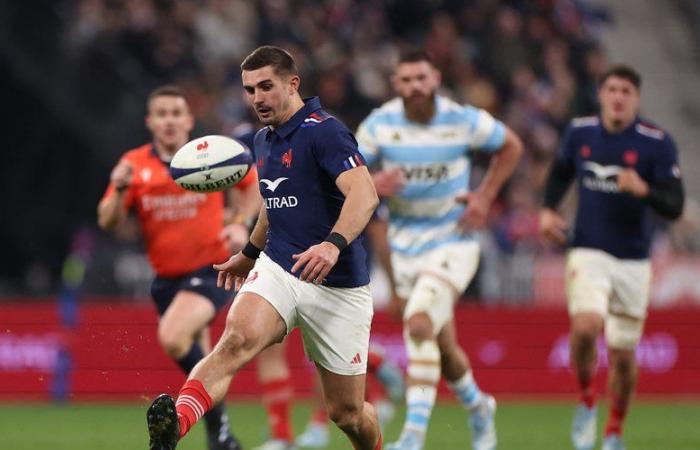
188	314
588	281
445	273
335	325
272	283
252	324
624	324
271	363
343	394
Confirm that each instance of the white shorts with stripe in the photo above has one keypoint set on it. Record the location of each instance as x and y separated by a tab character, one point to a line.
334	322
617	289
452	265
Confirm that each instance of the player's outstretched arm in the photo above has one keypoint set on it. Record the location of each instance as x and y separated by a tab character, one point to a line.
111	210
234	271
360	202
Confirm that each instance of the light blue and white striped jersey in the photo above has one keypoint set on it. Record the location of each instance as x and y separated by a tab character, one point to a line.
435	160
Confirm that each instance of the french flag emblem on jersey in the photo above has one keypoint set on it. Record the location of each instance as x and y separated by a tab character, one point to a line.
353	161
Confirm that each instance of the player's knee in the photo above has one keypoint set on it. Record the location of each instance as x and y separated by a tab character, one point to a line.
173	343
346	416
585	329
420	327
235	343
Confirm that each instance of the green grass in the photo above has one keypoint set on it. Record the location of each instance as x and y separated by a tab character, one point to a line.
521	426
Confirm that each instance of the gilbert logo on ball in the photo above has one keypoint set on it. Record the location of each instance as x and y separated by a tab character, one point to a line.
210	163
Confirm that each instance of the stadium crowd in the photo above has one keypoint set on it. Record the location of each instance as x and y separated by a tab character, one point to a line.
531	63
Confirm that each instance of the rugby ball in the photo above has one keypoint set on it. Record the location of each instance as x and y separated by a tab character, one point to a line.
210	163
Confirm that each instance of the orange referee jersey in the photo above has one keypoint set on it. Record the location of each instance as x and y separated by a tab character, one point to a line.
181	228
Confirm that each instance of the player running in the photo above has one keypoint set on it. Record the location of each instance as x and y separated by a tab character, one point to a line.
184	234
624	168
434	249
318	196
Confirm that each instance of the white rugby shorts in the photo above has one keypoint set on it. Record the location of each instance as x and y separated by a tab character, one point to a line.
334	322
617	289
446	271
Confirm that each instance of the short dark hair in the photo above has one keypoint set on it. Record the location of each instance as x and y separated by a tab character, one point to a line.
268	55
167	90
415	55
622	71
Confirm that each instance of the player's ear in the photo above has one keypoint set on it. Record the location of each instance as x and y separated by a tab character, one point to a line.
438	76
293	84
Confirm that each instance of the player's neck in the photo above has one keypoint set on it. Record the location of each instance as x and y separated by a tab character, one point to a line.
616	126
295	105
165	152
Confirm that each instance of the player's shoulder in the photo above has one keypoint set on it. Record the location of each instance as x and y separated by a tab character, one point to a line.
139	154
584	122
387	112
450	111
650	130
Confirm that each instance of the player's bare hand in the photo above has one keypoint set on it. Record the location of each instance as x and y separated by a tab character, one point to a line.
476	213
316	262
235	236
233	271
628	180
553	227
395	307
121	175
389	182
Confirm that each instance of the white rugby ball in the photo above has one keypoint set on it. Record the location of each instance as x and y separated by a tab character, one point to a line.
210	163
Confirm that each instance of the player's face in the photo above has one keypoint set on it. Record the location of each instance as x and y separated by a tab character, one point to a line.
169	120
416	82
619	100
270	94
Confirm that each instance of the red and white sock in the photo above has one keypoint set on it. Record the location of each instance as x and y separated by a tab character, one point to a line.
616	418
192	403
277	396
587	392
320	415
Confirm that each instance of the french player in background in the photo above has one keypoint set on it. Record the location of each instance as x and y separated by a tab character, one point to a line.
423	140
625	168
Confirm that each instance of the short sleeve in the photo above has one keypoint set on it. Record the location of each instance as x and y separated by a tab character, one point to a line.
666	161
336	149
367	141
250	178
488	134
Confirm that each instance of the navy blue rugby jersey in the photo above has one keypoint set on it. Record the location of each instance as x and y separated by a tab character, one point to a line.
298	163
607	219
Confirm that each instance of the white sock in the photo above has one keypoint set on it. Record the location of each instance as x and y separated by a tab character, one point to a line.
466	390
423	377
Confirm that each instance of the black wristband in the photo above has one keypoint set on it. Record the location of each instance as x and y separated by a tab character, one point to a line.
251	251
338	240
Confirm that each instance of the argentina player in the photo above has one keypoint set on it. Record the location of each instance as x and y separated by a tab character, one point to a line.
428	138
624	168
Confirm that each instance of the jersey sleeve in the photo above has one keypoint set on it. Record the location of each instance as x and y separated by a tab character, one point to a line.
367	140
336	149
666	162
566	155
488	134
250	178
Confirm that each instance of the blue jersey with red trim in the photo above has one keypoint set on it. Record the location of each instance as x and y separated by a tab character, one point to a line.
607	219
298	163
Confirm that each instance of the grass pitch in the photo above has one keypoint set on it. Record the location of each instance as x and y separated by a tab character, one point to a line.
543	425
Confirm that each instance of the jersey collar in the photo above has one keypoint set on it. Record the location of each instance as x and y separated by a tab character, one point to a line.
311	104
